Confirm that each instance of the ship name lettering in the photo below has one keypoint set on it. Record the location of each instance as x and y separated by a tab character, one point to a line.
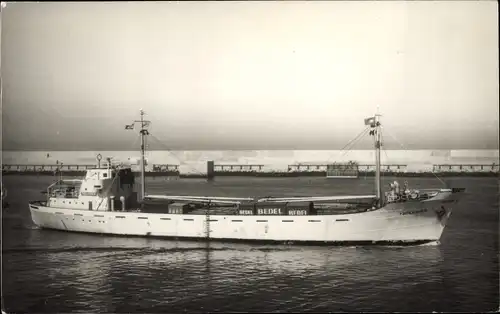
246	212
269	211
297	212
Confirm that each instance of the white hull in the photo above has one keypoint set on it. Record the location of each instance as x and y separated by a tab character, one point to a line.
388	224
88	205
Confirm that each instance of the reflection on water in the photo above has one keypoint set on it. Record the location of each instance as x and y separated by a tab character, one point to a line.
107	274
50	271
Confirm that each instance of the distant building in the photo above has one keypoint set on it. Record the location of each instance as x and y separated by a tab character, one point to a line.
343	170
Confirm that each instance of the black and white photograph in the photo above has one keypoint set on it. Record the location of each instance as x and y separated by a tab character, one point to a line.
249	156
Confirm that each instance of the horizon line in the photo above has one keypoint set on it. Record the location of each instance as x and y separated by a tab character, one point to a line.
322	149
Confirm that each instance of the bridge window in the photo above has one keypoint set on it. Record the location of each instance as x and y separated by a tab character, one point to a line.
105	175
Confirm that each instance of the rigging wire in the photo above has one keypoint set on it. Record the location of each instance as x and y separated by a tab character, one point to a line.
385	152
177	157
356	138
134	145
402	146
116	176
353	141
136	140
107	191
359	137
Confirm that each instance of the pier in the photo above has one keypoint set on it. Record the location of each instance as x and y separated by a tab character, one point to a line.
261	170
45	168
361	167
164	170
75	170
466	168
238	168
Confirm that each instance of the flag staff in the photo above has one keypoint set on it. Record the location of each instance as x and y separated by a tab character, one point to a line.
144	132
374	123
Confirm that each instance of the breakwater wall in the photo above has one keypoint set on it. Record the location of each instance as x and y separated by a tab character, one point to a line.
212	169
276	159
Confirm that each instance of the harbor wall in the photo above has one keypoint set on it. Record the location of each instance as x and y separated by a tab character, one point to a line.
195	162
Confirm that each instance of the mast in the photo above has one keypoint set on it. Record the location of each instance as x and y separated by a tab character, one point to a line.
144	132
378	144
374	123
143	162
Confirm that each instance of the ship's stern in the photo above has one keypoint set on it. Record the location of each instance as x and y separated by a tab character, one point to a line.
36	212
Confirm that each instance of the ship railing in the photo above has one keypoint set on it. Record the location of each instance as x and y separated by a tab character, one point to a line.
38	203
64	193
65	188
414	194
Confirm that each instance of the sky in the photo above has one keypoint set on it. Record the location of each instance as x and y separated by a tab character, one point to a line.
249	75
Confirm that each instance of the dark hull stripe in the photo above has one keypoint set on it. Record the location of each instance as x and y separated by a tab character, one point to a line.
230	240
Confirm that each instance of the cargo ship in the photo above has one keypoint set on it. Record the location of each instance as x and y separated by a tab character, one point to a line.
104	201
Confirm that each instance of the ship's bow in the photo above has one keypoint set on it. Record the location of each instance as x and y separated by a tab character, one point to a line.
441	207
